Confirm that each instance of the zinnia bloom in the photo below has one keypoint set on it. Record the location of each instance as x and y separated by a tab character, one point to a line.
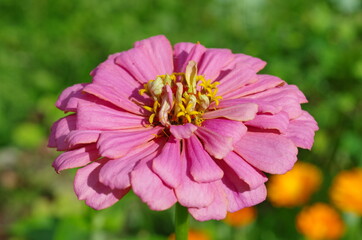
320	222
295	187
346	191
186	124
241	218
193	235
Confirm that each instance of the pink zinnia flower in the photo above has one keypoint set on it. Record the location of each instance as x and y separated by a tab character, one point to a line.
186	124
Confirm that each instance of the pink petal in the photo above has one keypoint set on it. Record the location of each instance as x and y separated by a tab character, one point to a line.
167	164
239	198
190	193
295	90
110	74
88	188
288	97
116	144
252	62
150	188
215	144
203	168
234	79
181	51
289	90
263	106
68	99
76	158
301	130
238	193
139	64
213	61
225	127
93	116
186	52
77	137
116	173
244	171
240	112
183	131
60	130
116	96
279	121
159	50
268	152
110	60
264	82
216	210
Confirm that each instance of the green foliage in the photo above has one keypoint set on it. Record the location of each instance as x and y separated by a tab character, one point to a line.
46	46
28	135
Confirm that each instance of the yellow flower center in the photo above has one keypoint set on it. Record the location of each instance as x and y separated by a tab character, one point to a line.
180	98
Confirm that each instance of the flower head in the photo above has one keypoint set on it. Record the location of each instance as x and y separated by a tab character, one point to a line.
320	222
193	235
346	191
185	124
242	217
295	187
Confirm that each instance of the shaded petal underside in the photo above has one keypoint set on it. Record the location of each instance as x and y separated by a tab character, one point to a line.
301	130
76	158
253	177
60	130
238	193
190	193
203	168
96	195
116	173
167	164
215	144
216	210
150	188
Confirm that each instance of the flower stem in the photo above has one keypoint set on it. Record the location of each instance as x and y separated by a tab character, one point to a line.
181	222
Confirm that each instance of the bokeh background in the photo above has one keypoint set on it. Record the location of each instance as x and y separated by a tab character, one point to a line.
46	46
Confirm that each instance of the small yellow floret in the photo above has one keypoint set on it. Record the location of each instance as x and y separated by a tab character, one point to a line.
151	118
148	108
142	91
156	104
180	114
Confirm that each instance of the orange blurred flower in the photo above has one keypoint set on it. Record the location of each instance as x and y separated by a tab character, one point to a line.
346	191
241	218
320	221
193	235
295	187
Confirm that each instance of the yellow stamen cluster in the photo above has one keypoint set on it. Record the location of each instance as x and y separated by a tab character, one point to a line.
180	98
211	90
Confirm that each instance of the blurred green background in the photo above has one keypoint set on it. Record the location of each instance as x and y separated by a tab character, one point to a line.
46	46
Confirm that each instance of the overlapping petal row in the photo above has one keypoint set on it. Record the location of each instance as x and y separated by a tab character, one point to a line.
211	167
